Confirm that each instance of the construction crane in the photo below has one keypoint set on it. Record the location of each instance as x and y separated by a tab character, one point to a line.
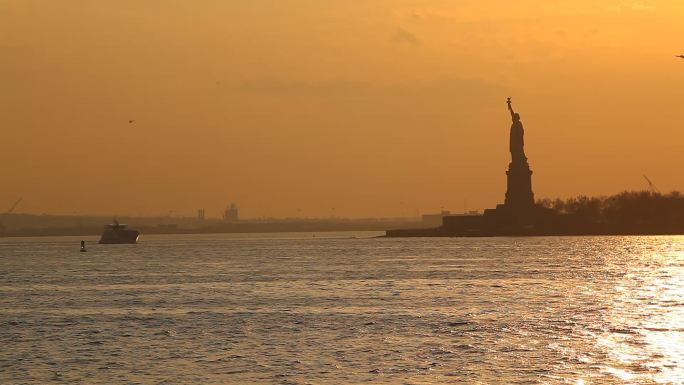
651	187
14	206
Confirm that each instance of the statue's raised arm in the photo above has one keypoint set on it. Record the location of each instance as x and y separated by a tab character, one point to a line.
510	107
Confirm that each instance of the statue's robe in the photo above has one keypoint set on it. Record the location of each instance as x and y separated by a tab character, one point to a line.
517	143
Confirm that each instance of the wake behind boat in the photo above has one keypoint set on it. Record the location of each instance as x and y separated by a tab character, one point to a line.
116	233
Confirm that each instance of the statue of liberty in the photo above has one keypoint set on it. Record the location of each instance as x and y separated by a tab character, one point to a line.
517	140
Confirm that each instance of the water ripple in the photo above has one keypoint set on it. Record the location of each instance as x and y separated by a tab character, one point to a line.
295	310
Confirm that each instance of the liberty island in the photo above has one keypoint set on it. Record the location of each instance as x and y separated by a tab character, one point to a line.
644	213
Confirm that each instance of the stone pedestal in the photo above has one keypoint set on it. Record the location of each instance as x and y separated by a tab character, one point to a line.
519	194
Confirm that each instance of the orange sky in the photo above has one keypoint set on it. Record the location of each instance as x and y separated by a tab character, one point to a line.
337	107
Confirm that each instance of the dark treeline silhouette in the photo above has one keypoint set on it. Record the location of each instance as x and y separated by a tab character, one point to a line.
628	212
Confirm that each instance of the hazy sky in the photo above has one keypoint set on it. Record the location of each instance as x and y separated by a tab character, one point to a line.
332	107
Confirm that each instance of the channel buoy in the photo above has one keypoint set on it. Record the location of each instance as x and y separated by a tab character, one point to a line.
83	249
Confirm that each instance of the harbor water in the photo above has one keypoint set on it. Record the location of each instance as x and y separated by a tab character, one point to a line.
342	308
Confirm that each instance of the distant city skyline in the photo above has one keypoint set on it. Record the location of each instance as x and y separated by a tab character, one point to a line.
336	108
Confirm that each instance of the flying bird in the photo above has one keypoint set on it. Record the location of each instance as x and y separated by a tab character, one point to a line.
680	56
131	121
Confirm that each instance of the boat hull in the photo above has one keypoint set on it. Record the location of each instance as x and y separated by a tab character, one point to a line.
113	237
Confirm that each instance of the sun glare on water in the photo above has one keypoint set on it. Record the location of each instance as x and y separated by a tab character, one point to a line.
644	341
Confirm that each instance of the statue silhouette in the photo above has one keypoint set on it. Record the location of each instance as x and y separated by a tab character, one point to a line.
517	140
519	193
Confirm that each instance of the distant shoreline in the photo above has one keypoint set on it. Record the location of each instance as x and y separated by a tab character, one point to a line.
627	213
439	233
22	225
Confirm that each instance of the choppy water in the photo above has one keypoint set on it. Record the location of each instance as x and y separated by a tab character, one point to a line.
293	309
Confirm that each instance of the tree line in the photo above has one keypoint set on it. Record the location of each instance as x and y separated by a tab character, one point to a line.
628	207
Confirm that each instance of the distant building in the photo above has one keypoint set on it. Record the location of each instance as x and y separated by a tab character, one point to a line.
434	220
231	213
201	214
